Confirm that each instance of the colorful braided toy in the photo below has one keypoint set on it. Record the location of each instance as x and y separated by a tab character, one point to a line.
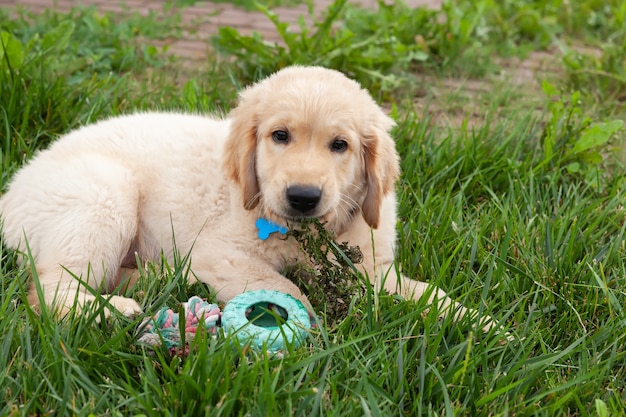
164	326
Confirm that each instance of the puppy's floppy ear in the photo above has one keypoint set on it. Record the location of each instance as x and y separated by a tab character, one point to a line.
240	149
382	167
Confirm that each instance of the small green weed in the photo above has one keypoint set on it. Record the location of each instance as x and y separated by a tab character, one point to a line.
572	140
600	76
354	47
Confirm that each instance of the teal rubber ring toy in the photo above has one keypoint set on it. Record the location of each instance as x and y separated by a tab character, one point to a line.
252	317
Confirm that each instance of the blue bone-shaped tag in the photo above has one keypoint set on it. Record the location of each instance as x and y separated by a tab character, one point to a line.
266	228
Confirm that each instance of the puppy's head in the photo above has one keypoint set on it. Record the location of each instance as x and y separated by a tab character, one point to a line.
309	142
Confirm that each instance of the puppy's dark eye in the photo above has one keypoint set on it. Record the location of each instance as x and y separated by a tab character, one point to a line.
339	145
280	136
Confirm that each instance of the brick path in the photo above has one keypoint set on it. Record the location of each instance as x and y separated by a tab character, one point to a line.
203	17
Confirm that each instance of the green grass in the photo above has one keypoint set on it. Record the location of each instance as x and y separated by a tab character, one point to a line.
519	214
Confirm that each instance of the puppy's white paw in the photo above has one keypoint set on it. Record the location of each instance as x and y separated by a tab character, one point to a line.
126	306
487	323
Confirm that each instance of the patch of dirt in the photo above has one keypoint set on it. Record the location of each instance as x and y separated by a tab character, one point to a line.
456	102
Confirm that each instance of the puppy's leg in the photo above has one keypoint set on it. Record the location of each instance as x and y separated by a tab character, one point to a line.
412	289
79	217
62	290
378	266
92	259
231	274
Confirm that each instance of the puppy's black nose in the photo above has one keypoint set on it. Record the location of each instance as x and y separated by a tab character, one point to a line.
303	198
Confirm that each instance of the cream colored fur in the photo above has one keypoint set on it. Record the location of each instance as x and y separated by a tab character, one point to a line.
109	191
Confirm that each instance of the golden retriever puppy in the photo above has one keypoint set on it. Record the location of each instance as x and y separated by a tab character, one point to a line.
307	142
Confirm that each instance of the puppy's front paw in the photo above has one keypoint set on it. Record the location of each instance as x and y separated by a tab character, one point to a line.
487	323
126	306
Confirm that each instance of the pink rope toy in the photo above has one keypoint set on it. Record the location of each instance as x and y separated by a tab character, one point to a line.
164	326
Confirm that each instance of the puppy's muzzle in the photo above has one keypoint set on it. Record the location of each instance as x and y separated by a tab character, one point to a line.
303	199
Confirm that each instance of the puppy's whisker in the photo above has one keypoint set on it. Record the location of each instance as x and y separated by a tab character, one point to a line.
349	201
256	198
348	205
346	208
357	188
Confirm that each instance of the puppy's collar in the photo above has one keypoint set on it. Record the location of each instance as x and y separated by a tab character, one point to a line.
266	228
